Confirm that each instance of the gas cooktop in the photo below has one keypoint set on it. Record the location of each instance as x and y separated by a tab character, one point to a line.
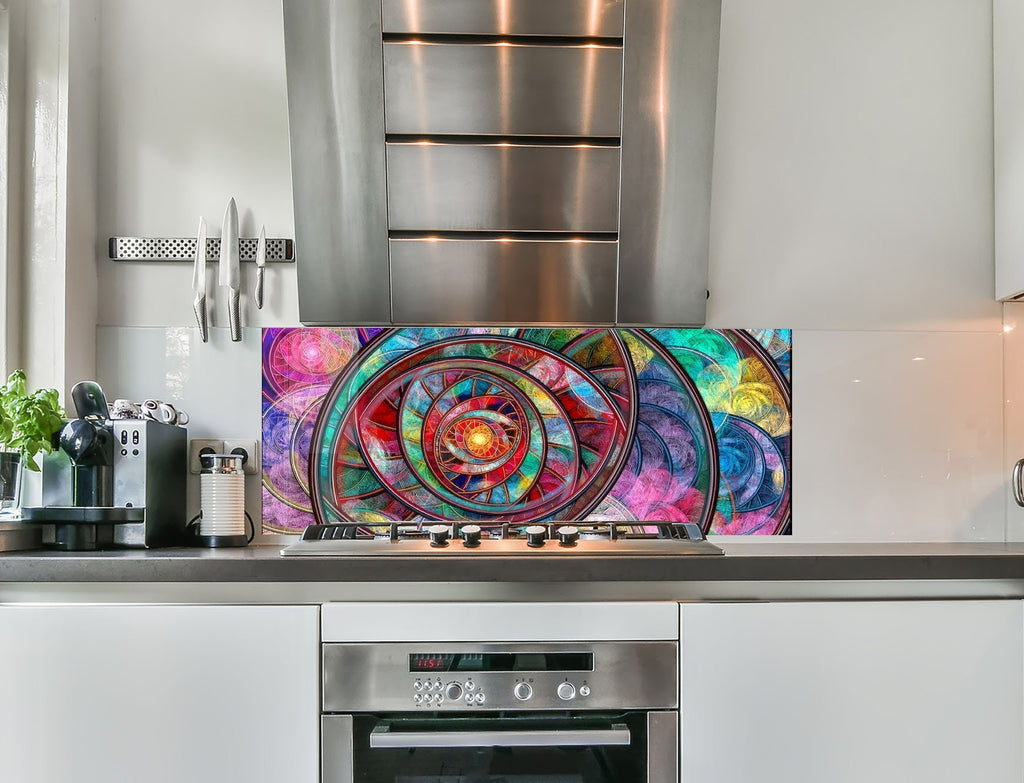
548	539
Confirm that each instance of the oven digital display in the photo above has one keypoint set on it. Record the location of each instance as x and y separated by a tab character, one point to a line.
502	662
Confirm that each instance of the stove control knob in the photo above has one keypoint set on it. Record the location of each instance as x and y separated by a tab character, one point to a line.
453	692
535	535
471	535
438	535
584	690
522	691
568	535
566	691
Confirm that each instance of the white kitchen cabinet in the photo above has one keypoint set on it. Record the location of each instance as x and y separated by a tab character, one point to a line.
161	694
900	692
1008	130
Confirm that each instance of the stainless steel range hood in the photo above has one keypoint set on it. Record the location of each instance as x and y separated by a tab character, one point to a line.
502	161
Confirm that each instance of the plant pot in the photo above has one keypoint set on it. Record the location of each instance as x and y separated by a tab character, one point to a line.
11	469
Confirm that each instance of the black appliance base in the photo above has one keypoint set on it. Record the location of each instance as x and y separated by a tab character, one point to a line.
220	541
82	528
88	515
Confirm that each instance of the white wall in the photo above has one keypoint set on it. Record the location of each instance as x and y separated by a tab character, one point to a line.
852	202
193	112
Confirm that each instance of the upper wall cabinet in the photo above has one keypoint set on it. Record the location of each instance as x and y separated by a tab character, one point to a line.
1008	104
502	161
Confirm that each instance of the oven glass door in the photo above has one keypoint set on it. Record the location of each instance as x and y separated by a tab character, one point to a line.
491	749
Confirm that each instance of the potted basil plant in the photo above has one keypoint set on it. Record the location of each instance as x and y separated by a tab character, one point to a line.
28	423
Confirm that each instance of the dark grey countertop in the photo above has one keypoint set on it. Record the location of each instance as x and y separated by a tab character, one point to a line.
762	561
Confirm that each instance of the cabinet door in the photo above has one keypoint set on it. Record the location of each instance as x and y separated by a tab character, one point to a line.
1008	118
853	692
162	694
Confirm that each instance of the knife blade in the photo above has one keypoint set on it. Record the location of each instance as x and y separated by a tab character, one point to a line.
229	272
199	282
261	262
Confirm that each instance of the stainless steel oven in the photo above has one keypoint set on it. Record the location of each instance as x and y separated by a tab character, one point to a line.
521	712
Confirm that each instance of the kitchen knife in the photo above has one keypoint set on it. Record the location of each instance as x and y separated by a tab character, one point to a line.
199	281
229	274
261	262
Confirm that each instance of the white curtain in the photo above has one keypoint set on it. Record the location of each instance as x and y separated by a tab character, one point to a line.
48	144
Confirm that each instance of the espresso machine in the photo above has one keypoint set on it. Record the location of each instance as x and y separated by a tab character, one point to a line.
117	482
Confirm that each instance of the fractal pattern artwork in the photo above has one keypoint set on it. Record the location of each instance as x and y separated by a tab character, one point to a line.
496	425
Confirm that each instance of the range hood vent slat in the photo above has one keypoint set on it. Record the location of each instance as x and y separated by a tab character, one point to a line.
506	17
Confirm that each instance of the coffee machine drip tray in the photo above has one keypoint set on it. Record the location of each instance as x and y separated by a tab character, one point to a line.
89	515
78	528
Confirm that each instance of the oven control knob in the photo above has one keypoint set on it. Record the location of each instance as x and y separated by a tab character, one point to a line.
438	535
566	691
568	535
535	535
584	690
522	691
453	692
470	535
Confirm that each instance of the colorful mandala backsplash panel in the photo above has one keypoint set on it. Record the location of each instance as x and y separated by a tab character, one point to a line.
522	425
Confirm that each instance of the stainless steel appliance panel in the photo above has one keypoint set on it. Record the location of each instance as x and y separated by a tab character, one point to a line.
668	127
150	472
376	677
383	737
336	742
502	89
502	187
495	281
595	18
336	127
662	746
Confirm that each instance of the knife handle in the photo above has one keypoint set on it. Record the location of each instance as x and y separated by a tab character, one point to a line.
199	306
234	317
258	293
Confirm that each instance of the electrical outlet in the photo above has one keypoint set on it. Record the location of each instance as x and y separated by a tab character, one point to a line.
198	446
250	450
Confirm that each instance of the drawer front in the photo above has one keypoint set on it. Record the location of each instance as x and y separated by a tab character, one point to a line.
496	281
495	187
595	18
502	89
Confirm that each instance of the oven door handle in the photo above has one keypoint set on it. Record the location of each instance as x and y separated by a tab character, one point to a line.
383	737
